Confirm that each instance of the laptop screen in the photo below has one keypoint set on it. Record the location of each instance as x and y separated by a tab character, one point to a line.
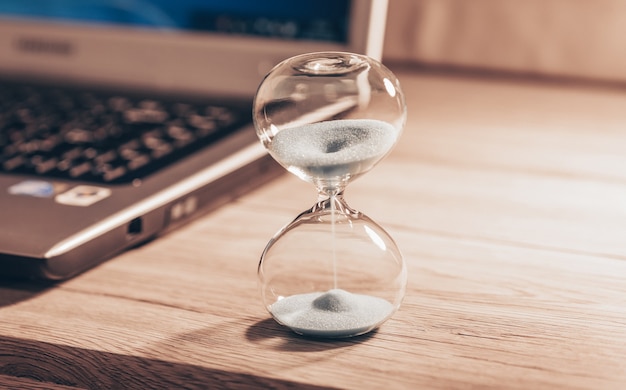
208	47
322	20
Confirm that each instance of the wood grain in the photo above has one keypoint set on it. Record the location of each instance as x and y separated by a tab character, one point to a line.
508	202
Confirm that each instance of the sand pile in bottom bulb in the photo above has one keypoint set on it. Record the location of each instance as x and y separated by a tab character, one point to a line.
335	313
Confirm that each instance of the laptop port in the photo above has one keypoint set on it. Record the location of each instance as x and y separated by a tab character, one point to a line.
134	227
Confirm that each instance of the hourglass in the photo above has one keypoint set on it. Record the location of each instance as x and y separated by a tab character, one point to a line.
329	118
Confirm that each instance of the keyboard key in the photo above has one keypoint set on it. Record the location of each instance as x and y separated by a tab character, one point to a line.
45	166
138	161
73	153
80	169
145	115
202	122
161	150
14	163
78	136
113	173
105	157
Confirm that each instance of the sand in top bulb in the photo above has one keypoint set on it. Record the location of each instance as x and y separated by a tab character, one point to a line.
333	148
332	314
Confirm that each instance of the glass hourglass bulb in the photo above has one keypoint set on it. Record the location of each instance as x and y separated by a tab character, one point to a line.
329	118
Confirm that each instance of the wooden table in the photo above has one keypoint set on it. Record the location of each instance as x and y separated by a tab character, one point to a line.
508	200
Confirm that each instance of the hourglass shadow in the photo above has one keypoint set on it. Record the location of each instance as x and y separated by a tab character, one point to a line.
269	329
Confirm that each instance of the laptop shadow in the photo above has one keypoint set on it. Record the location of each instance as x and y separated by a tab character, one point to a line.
15	291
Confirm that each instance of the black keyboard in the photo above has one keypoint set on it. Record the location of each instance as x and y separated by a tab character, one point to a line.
101	137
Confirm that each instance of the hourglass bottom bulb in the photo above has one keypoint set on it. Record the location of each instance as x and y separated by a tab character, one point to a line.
333	314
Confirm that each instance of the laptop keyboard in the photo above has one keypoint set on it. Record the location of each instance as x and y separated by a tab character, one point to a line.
103	138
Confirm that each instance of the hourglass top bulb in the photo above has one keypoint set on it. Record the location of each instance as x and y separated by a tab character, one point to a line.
329	117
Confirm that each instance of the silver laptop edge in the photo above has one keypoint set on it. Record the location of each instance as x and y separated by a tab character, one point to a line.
162	198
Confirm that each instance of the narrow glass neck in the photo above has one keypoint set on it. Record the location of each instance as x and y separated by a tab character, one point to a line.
335	204
331	187
326	193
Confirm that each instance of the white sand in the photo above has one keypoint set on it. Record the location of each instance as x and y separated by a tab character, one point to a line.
335	313
334	148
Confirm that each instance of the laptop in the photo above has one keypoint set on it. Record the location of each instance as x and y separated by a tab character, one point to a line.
122	120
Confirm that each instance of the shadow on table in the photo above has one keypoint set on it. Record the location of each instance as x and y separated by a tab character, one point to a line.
54	364
14	291
281	338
